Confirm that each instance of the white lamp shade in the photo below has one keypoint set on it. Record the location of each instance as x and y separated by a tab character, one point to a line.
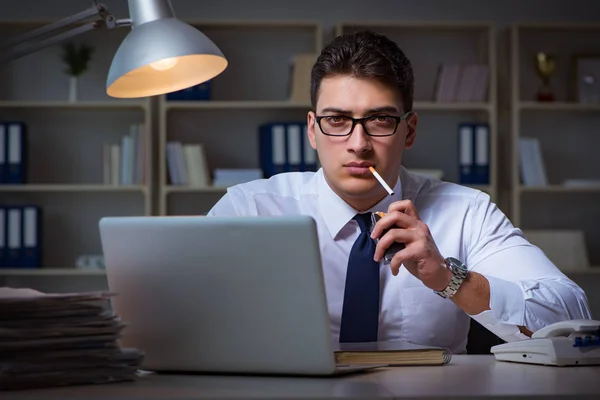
163	56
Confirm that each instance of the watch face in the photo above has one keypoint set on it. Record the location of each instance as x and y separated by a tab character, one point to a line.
459	273
456	264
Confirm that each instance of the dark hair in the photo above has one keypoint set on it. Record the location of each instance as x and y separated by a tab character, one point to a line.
365	54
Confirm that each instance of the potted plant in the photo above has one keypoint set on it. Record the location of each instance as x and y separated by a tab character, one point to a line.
77	59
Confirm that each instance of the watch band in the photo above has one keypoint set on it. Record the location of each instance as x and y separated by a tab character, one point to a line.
459	274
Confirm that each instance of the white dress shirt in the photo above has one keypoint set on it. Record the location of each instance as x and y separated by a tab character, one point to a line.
525	287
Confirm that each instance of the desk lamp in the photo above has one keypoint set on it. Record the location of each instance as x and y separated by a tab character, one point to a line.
160	55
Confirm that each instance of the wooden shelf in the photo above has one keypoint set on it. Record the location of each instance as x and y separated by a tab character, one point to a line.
59	134
262	24
558	106
558	188
548	121
436	106
100	105
485	110
422	25
72	188
256	104
558	26
67	271
251	104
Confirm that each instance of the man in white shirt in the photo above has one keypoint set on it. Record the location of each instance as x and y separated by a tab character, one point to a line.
462	258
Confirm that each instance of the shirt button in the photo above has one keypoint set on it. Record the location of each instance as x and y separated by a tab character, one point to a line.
504	317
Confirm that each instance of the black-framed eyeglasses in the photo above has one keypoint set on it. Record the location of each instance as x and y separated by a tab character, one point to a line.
373	125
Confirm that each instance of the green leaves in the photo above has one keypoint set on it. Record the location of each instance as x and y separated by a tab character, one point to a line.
76	58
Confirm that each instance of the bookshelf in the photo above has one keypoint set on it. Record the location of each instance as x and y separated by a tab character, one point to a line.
566	130
437	144
253	90
64	155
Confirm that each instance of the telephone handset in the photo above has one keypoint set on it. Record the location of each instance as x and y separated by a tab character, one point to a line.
566	328
572	342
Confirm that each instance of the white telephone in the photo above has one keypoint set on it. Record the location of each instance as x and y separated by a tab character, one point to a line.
574	342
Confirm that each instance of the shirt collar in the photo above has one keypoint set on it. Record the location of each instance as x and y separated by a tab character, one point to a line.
337	213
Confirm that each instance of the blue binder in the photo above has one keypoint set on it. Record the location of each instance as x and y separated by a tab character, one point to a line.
3	153
16	155
293	141
309	155
14	237
3	237
466	153
31	229
273	149
23	236
201	91
481	165
284	147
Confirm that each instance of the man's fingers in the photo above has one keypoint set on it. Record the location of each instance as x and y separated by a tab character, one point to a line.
395	235
395	219
404	206
402	257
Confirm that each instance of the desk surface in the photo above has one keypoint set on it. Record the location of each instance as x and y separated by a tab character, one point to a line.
465	376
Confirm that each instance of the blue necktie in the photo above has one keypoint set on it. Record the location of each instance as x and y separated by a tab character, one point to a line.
360	313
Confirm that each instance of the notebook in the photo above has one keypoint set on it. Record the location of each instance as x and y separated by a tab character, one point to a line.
393	353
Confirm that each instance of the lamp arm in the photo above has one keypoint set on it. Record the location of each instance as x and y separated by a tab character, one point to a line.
16	53
10	49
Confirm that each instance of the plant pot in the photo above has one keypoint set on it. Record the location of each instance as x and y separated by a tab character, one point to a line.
73	89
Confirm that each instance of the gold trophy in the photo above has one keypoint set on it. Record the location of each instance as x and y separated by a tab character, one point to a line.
545	65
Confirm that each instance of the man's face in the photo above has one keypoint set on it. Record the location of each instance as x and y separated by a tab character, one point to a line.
345	159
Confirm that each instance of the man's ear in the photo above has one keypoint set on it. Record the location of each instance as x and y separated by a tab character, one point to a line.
411	135
310	129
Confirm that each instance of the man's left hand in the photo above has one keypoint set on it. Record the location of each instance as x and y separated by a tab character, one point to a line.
420	256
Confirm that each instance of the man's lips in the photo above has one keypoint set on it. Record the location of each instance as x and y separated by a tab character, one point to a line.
364	164
358	168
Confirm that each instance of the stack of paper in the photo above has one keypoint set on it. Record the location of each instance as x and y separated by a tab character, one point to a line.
61	339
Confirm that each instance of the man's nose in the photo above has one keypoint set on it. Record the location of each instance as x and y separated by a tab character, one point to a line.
359	140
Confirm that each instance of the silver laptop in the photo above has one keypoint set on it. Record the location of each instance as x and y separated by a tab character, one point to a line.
221	294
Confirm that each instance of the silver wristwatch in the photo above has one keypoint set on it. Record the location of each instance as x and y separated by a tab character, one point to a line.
459	274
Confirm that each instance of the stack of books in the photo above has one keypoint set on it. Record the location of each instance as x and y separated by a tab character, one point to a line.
125	163
462	83
61	339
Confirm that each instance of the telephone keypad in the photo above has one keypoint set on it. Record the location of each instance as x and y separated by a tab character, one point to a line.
587	341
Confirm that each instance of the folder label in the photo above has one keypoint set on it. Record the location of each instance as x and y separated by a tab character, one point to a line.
294	148
14	143
14	229
466	153
30	227
481	155
278	139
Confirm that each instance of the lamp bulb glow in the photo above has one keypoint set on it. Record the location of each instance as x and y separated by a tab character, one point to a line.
164	64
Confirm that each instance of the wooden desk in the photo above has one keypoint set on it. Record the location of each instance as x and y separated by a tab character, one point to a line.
464	377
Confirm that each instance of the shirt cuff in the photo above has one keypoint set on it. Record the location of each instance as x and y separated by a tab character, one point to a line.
507	310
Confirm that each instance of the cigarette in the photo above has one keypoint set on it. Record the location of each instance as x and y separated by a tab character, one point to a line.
380	179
